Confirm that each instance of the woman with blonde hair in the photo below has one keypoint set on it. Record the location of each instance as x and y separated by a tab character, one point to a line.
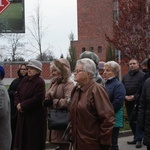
59	91
117	93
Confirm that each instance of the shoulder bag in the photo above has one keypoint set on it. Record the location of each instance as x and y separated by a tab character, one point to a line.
58	119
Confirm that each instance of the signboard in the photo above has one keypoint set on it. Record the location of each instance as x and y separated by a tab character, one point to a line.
3	5
12	16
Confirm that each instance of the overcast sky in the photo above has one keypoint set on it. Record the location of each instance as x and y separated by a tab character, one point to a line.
60	16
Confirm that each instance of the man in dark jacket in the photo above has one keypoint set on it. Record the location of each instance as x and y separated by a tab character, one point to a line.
131	81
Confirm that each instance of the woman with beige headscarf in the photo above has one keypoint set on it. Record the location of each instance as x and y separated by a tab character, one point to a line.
59	90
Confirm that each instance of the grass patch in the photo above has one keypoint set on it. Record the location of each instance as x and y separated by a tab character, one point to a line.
7	86
126	126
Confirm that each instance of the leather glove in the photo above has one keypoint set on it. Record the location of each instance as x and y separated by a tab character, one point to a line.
48	102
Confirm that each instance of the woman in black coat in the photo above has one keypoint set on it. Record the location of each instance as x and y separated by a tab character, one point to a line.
31	121
22	72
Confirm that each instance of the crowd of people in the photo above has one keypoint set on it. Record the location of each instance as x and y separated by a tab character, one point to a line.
94	100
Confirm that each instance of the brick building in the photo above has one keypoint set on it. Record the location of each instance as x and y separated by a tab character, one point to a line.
95	19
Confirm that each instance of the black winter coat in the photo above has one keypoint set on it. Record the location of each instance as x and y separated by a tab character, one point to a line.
144	112
12	90
31	123
132	80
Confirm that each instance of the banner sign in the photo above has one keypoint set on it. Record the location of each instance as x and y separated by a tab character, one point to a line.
12	16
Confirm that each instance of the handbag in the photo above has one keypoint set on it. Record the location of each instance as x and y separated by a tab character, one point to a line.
58	119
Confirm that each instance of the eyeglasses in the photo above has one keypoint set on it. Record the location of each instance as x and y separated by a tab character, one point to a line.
78	70
23	69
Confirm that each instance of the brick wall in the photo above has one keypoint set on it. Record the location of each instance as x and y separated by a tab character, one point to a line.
95	19
12	68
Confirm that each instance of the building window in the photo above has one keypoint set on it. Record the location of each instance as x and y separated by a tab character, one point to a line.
99	49
83	49
92	49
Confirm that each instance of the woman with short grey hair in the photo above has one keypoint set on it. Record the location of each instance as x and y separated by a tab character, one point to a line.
91	113
117	94
88	65
93	56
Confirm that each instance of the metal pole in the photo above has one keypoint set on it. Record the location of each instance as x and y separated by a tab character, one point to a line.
119	52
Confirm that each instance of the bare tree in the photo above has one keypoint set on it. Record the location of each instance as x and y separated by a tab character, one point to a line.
37	30
14	46
72	58
46	56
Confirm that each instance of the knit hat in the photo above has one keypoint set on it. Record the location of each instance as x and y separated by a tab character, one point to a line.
2	72
35	64
101	65
91	55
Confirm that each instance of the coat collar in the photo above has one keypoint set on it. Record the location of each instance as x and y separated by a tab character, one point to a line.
133	72
86	86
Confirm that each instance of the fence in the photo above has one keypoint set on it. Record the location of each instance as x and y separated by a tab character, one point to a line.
11	69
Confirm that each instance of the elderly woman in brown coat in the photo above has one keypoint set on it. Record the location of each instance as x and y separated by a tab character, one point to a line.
31	121
91	113
59	90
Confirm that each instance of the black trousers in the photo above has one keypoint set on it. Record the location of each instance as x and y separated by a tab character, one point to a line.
148	147
129	108
115	134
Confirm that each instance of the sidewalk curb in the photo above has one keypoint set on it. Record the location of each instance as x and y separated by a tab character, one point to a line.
121	134
125	133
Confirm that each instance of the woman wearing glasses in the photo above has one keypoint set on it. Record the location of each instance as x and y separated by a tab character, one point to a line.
31	121
91	113
22	72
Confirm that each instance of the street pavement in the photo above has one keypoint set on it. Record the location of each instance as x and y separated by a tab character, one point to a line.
122	144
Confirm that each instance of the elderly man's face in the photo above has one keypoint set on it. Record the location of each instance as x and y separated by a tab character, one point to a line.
133	65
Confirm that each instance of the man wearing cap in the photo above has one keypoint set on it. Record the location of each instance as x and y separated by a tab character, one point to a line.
5	128
144	65
95	58
31	123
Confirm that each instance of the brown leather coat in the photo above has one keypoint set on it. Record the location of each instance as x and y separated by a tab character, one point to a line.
92	117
